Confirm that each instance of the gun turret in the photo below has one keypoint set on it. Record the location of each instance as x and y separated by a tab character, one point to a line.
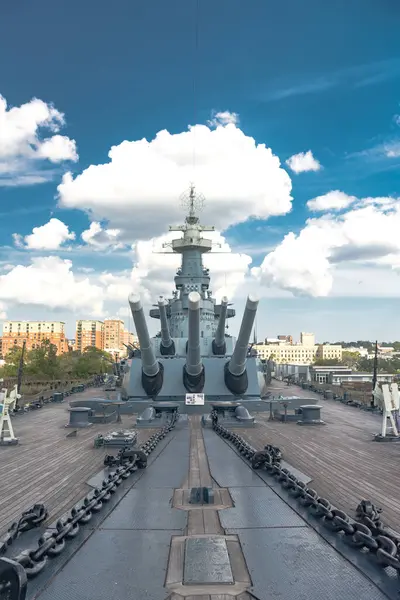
235	369
193	371
152	370
218	343
167	345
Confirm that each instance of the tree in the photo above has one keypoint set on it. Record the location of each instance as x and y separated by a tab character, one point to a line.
350	359
43	361
10	369
326	362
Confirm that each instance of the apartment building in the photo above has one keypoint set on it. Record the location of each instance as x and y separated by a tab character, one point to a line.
89	333
33	333
114	331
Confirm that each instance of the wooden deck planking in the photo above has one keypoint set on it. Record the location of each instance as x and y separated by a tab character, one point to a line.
48	467
345	464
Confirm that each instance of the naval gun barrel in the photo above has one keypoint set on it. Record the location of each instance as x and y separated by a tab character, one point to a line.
235	370
193	371
152	370
218	343
167	346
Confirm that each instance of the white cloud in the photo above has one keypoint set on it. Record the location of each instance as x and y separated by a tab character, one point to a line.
392	150
22	150
137	191
396	119
47	237
101	238
58	148
302	162
50	282
334	200
223	118
305	264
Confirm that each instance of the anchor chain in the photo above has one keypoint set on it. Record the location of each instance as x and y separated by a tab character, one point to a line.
367	531
33	517
54	541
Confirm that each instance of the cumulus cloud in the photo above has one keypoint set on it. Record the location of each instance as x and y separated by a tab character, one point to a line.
334	200
137	191
50	282
22	150
58	148
302	162
101	238
223	118
305	263
47	237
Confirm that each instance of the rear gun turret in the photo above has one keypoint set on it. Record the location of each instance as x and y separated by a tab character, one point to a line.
152	370
167	345
218	343
193	371
235	369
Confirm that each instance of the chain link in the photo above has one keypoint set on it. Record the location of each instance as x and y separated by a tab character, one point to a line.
365	532
53	541
33	517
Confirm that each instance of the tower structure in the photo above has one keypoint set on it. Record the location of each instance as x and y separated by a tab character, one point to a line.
192	276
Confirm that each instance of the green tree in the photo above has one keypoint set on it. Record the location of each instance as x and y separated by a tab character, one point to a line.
351	359
10	368
43	361
326	362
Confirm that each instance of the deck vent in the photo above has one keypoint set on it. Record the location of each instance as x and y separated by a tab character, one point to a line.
201	495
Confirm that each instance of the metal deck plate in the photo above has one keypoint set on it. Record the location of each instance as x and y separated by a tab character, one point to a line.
171	468
258	507
206	561
122	565
226	467
146	509
296	563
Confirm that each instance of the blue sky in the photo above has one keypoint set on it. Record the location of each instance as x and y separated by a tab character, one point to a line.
301	77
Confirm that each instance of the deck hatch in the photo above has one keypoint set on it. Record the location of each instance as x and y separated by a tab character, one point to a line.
206	561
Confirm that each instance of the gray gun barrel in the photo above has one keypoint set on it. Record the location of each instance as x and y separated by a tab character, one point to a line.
166	340
219	345
150	365
194	365
237	364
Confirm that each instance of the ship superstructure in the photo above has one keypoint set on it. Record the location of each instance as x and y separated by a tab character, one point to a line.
192	353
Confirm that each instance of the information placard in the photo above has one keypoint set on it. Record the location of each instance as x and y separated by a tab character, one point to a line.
194	399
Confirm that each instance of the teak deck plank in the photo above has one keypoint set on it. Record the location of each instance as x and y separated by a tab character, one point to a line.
346	465
46	466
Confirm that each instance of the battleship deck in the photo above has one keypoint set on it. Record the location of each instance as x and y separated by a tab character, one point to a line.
47	467
151	546
342	459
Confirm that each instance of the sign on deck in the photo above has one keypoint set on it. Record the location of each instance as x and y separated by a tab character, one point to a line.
194	399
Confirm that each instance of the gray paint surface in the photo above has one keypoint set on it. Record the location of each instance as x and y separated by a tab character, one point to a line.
173	387
258	507
226	467
295	563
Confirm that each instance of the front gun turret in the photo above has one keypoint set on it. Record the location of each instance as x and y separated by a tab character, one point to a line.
193	371
152	370
167	345
235	369
218	343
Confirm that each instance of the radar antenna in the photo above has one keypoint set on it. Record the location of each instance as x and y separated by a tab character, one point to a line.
193	202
